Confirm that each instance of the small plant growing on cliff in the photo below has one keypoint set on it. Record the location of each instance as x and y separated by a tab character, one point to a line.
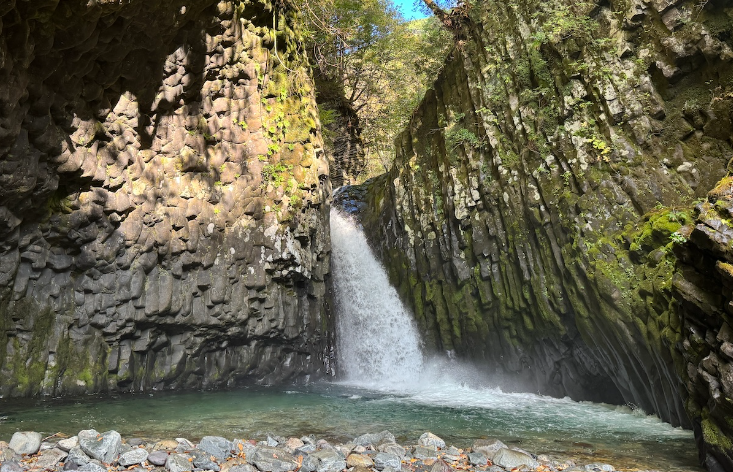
677	238
566	177
455	137
275	173
241	123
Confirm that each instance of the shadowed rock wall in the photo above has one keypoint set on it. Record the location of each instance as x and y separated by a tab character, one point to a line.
539	217
163	197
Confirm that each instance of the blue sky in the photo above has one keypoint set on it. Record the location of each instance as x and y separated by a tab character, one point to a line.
408	9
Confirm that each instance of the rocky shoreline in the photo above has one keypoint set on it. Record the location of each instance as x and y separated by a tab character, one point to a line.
91	451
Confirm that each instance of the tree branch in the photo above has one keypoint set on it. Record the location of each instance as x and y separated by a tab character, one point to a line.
438	12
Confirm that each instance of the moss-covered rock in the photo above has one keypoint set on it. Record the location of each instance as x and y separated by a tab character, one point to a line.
542	203
163	197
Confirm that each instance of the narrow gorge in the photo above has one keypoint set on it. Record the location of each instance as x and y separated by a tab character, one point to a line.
559	211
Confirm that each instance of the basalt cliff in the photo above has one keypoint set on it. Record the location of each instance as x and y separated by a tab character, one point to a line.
559	211
163	197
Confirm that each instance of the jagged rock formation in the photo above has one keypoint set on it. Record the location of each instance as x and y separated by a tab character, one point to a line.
537	215
163	197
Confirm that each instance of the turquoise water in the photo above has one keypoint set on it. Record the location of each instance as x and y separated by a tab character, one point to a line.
584	431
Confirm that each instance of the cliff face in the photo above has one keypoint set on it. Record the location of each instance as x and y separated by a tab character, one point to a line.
163	197
541	219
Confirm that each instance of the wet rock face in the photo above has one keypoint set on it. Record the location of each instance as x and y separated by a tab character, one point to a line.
543	190
163	197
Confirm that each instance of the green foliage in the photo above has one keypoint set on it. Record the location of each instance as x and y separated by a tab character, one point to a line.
457	136
677	238
383	64
275	173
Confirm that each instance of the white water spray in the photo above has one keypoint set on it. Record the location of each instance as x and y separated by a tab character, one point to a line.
378	342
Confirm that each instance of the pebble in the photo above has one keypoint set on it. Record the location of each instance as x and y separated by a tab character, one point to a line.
91	451
158	457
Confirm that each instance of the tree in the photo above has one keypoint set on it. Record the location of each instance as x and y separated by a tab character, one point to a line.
378	66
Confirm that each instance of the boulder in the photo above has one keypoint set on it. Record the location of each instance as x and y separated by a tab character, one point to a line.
359	460
104	447
49	458
216	446
510	459
68	443
386	459
488	447
329	460
25	442
429	439
157	458
373	439
135	456
179	463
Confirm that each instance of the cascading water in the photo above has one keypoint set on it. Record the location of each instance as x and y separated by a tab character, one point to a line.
378	342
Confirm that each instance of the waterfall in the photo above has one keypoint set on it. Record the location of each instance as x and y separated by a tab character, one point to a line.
378	342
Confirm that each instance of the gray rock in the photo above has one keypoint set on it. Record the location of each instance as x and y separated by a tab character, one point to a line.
306	449
392	449
104	447
510	459
243	468
599	467
452	454
11	466
49	458
310	464
91	467
205	461
216	446
441	466
270	459
386	459
429	439
374	438
243	447
135	456
425	452
158	458
477	458
329	460
179	463
68	444
77	456
25	442
184	445
488	447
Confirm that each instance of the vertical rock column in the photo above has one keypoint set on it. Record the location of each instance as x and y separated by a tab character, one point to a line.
164	194
540	189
